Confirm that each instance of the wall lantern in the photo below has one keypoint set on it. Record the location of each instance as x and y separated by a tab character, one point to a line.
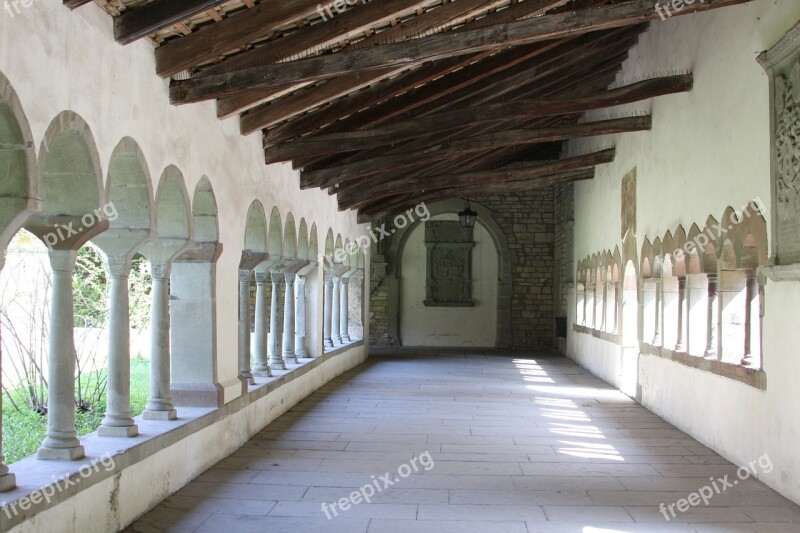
467	217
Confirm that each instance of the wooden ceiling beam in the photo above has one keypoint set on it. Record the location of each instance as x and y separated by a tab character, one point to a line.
462	118
369	193
234	32
526	31
328	176
410	28
140	22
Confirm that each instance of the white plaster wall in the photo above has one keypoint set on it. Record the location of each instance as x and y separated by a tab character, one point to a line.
708	149
448	326
59	60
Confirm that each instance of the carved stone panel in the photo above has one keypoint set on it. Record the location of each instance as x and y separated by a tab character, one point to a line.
782	63
628	202
449	274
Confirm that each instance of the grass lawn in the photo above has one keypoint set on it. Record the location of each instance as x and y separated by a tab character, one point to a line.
24	430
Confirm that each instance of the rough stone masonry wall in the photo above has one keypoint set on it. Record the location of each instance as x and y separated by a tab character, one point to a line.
527	219
564	207
378	314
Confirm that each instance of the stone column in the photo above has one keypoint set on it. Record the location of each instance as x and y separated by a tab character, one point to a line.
118	421
261	366
683	315
245	373
327	312
752	332
657	338
7	480
713	318
159	405
61	442
300	318
289	308
336	309
344	311
275	359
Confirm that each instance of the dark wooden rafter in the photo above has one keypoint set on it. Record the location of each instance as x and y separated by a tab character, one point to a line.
235	31
497	37
441	122
142	21
563	61
324	177
319	95
503	74
514	172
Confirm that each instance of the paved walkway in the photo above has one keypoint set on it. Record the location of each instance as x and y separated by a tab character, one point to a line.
502	444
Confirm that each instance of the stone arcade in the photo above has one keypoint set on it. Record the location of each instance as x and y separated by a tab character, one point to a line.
610	336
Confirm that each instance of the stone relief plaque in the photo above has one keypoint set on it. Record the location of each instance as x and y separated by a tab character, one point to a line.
628	214
782	63
449	273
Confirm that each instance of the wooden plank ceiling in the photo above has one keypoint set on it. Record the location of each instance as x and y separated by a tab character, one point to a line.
387	103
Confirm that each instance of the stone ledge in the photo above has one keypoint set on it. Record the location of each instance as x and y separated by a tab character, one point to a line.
154	436
749	376
753	377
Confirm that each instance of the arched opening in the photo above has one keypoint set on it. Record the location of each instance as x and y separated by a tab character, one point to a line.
174	226
423	325
195	374
732	305
253	297
130	197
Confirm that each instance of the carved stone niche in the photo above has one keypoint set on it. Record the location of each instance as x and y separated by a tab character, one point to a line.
449	275
782	64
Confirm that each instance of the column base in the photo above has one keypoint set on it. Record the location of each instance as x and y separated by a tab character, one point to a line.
160	415
329	343
248	377
277	365
263	373
118	432
291	359
60	454
711	356
7	482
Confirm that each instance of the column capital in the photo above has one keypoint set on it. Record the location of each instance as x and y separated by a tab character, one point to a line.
277	277
289	277
63	260
262	278
118	266
344	281
160	270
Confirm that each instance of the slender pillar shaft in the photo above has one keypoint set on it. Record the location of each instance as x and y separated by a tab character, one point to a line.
713	318
61	442
327	313
300	318
336	325
657	339
261	365
245	373
289	354
683	315
118	421
275	357
7	479
344	310
159	406
752	332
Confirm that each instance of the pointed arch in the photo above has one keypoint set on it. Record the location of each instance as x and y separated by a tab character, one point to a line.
275	236
290	238
302	241
255	236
